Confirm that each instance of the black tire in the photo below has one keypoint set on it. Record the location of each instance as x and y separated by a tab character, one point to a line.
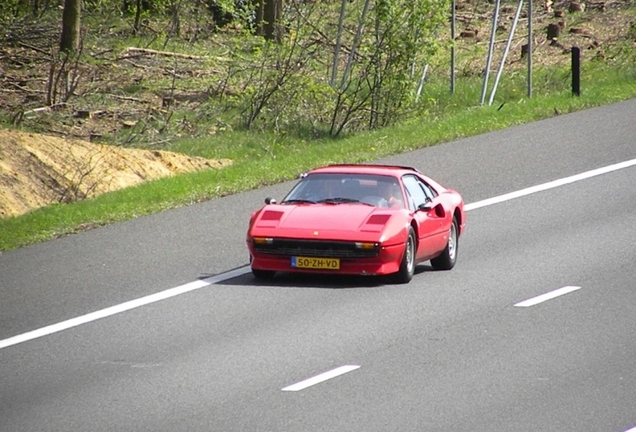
448	258
407	265
263	275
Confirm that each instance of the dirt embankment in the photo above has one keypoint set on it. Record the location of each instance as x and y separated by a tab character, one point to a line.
38	170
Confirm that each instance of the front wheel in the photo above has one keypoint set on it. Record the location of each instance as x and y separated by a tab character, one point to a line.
407	265
448	258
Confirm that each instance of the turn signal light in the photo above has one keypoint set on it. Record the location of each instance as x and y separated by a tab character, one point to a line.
365	245
263	240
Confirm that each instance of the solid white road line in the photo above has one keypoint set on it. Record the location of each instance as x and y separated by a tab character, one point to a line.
123	307
228	275
54	328
74	322
549	185
547	296
320	378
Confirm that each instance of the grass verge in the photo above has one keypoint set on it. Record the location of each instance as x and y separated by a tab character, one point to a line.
261	159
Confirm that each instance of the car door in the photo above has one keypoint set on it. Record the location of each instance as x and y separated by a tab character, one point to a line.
429	214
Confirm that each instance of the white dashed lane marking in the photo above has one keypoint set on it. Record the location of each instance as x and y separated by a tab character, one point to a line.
321	378
547	296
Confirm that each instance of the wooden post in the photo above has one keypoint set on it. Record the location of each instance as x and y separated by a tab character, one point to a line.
576	71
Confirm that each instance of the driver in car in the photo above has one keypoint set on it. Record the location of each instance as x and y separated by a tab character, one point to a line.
392	193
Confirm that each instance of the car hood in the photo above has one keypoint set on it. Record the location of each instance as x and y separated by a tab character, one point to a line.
334	217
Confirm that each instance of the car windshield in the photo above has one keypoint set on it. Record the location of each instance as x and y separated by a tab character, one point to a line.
376	190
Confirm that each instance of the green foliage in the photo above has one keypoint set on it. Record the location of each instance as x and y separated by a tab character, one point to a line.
18	9
282	83
105	7
14	9
400	38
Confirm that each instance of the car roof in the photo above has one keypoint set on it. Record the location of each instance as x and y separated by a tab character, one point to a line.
393	170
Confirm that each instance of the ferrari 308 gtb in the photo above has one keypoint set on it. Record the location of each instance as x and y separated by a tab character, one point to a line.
357	220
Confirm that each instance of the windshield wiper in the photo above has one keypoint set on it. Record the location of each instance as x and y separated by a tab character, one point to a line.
298	201
338	200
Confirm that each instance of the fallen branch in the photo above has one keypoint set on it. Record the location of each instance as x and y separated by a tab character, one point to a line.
161	53
133	64
101	53
45	109
38	110
22	88
127	98
34	48
133	52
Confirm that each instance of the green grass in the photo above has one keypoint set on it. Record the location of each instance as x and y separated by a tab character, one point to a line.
262	159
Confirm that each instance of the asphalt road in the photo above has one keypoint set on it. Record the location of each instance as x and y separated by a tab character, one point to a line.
450	351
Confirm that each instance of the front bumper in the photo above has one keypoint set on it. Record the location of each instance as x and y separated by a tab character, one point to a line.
386	262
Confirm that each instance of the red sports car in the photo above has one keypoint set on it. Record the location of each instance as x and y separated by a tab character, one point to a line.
358	220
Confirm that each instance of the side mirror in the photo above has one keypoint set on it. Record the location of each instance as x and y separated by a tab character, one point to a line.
438	208
270	200
426	206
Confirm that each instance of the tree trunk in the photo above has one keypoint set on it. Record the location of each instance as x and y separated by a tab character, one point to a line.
175	21
137	21
268	14
70	26
259	18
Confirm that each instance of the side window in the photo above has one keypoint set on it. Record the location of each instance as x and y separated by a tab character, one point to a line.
415	191
429	191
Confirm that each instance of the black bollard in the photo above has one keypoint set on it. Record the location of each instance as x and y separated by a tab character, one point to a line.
576	71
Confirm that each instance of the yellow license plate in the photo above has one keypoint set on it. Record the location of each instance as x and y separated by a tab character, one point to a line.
315	263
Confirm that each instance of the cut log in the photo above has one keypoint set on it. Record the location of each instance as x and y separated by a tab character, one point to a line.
553	31
577	7
468	34
579	31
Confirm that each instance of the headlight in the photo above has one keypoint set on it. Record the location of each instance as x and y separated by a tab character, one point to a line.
366	245
262	240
